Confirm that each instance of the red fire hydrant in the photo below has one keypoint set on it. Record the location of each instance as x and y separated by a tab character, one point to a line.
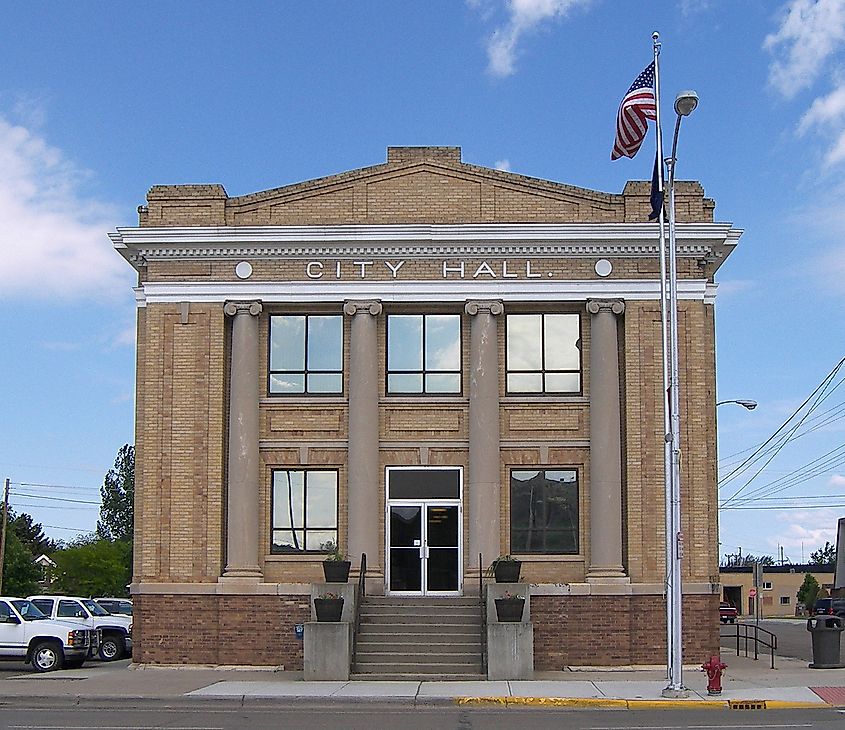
714	668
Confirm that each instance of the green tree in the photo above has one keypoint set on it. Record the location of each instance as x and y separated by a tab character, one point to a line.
20	573
824	556
808	591
117	519
762	559
91	566
31	534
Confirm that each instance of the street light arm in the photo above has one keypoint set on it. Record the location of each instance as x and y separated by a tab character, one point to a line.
745	403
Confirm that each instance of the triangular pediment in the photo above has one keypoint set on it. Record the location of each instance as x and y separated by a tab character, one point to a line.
416	185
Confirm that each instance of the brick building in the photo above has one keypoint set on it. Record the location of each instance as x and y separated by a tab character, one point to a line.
424	361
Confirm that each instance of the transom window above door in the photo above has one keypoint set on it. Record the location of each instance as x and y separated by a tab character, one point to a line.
543	353
306	354
423	353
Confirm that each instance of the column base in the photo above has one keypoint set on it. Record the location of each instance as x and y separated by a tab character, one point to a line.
249	573
607	577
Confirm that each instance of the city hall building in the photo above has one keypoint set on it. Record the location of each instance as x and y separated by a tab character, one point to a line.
431	363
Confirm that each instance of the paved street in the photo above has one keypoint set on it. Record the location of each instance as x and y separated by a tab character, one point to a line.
234	716
793	638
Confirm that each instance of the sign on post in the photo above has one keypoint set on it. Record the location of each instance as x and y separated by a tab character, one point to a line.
752	593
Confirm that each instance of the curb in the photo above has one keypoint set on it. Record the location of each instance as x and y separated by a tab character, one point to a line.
618	704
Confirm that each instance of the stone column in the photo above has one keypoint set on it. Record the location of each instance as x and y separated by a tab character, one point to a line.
363	477
243	473
605	444
484	461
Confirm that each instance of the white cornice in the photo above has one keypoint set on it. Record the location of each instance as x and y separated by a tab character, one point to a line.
417	291
524	239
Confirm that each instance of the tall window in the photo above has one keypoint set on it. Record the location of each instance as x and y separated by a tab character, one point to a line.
304	510
543	353
423	353
306	353
544	511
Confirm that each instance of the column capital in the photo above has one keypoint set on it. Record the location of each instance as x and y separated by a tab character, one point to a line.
372	306
616	306
233	308
474	306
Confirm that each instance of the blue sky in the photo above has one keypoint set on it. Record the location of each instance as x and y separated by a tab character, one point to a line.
101	100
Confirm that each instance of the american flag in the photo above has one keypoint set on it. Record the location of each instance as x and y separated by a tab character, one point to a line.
636	109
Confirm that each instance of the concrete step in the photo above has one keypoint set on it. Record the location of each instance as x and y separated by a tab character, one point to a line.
414	677
369	648
410	617
406	657
417	669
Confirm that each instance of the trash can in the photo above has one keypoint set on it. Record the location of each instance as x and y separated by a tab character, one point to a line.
826	632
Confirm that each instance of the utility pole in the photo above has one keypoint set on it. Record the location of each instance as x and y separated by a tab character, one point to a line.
3	531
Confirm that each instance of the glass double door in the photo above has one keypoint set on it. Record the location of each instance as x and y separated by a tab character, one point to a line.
423	543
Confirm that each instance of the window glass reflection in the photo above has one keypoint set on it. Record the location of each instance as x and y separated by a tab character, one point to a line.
404	342
325	343
287	343
442	342
304	510
544	511
306	354
561	337
543	353
524	333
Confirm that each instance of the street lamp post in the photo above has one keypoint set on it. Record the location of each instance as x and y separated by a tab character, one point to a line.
685	104
748	404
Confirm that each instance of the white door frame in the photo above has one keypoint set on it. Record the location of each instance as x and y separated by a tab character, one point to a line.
424	504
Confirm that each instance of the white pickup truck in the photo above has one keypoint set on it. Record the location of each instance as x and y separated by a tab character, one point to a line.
115	631
27	635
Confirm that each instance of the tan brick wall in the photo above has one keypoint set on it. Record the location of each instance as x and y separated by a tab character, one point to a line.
180	437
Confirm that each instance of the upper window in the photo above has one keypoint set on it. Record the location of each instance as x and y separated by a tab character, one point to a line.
306	353
543	353
544	511
304	510
423	353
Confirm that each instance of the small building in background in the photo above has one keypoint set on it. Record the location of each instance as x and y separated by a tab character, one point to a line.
778	594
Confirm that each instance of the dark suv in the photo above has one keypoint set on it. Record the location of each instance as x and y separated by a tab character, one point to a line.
829	606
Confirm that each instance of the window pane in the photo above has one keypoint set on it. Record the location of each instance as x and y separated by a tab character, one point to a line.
288	495
325	343
443	342
288	541
318	539
561	336
404	342
525	383
321	504
287	342
524	341
563	382
544	511
287	383
325	383
443	383
404	383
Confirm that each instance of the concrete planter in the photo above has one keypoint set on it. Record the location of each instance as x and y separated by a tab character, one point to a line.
328	609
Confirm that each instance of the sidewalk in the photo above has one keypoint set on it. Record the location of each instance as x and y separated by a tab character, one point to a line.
747	684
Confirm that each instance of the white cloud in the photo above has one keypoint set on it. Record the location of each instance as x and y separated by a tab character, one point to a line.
524	16
54	237
810	32
806	532
837	481
503	165
735	286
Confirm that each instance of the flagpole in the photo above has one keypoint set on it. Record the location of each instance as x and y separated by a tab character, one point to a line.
674	663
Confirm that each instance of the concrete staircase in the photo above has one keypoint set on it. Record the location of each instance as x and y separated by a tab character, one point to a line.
418	638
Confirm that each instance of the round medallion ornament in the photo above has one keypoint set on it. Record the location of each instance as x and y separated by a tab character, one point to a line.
243	270
603	267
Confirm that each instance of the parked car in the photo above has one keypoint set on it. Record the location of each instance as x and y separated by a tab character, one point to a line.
727	613
27	635
115	631
117	606
829	606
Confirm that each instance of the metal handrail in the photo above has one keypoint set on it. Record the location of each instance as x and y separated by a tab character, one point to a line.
362	577
362	592
751	633
483	604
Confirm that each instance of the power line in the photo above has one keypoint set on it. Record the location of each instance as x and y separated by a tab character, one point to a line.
56	499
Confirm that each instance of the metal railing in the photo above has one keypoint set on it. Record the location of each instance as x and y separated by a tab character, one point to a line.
746	634
362	577
483	603
362	593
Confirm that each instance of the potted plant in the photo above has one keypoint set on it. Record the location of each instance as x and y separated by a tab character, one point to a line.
510	607
328	607
505	569
335	565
